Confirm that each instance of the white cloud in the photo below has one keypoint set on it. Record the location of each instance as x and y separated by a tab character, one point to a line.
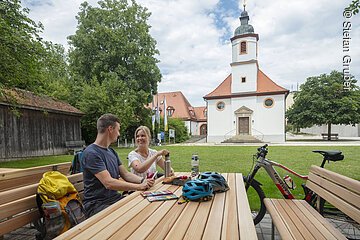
298	39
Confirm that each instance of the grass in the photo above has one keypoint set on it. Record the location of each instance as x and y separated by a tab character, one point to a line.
237	159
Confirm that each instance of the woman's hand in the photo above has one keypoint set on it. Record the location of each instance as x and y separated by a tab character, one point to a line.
163	152
146	184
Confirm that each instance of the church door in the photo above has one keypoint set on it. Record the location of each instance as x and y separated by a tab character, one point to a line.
243	126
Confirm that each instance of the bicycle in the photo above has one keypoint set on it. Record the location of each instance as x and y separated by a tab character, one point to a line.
283	186
349	227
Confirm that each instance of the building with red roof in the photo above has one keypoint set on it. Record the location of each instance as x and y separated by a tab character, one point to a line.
247	105
177	106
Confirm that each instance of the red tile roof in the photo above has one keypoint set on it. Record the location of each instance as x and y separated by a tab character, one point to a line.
28	99
200	113
264	86
183	109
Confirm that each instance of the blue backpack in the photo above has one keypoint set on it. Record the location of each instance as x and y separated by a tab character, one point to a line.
76	166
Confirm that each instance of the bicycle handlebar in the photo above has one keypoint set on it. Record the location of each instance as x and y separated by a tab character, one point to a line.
262	151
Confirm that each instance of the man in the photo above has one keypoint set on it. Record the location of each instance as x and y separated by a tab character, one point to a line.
102	169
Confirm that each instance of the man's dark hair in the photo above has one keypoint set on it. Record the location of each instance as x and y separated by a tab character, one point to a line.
105	121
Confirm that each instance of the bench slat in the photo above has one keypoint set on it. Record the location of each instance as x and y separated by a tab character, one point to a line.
183	221
230	221
286	218
137	221
312	226
345	207
99	216
154	218
335	189
347	182
18	221
162	228
16	207
246	224
281	226
17	193
25	177
326	228
198	222
110	221
299	221
212	230
30	171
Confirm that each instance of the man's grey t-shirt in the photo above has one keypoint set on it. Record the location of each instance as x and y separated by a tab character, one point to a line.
95	160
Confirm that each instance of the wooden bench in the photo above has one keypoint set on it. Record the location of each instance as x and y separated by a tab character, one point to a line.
296	219
333	136
18	206
73	146
23	177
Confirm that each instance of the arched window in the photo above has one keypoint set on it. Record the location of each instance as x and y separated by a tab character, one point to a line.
243	47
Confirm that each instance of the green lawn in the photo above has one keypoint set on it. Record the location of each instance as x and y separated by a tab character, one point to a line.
237	159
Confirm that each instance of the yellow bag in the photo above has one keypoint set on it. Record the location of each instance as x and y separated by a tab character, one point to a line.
59	204
54	185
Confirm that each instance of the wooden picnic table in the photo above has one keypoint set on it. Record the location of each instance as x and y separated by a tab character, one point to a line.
226	216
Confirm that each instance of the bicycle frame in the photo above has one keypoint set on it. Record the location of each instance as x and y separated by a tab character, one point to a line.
274	175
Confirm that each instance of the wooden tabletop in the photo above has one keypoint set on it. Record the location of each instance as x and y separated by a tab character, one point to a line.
226	216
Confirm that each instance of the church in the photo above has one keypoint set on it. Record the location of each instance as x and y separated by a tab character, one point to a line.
247	106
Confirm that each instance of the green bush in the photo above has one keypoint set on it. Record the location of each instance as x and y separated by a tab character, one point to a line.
181	133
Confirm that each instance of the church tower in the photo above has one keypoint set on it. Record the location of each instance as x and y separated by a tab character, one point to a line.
244	66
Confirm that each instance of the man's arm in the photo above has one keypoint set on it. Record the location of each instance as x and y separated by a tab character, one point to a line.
119	185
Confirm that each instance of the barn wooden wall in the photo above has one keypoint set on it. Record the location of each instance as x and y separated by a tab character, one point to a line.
35	133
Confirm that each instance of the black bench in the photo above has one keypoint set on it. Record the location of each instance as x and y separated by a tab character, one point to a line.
73	146
333	136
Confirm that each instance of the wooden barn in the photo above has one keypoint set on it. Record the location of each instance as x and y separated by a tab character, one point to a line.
32	125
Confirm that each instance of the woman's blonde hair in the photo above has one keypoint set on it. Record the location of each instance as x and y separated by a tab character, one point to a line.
146	131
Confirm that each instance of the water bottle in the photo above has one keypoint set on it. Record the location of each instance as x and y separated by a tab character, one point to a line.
167	165
194	165
289	182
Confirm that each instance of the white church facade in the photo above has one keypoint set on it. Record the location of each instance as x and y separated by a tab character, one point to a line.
247	104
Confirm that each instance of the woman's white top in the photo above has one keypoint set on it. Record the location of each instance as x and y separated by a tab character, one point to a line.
133	155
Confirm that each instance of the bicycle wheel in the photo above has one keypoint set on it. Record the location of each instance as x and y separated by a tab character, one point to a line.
256	197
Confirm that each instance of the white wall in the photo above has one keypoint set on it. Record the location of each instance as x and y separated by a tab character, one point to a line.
219	122
192	127
249	71
251	49
271	121
342	130
267	124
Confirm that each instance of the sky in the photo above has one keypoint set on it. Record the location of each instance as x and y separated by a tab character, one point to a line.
297	38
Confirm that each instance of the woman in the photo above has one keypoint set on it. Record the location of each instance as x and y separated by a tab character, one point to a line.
143	160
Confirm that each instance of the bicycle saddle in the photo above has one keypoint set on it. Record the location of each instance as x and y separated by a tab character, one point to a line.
331	155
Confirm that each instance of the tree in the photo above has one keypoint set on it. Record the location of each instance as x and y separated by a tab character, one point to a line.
354	7
55	72
20	47
26	61
181	133
323	100
112	57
